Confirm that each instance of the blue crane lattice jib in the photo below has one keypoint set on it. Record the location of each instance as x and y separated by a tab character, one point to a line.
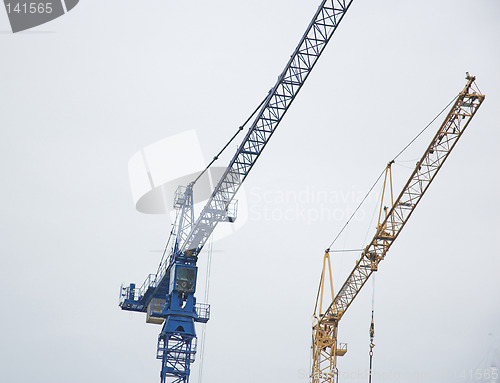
312	44
168	296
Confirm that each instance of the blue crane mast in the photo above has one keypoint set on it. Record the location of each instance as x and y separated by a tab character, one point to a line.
167	297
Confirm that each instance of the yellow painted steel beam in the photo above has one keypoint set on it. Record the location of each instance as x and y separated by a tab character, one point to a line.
325	327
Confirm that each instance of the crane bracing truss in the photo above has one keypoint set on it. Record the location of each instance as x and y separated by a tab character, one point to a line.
168	296
324	345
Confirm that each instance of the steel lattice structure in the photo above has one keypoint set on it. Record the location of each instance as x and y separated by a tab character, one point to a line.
168	296
302	61
325	328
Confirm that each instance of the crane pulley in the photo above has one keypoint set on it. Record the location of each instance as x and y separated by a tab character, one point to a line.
325	327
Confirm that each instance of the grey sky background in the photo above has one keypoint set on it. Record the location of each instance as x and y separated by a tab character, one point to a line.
82	94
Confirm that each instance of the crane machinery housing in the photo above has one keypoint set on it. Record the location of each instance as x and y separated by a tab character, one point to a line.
168	297
325	348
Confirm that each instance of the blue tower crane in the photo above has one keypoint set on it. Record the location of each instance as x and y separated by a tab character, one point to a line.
168	297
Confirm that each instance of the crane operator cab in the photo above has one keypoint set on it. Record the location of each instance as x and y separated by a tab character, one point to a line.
183	279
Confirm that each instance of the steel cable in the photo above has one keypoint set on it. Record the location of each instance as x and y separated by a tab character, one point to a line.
382	173
232	138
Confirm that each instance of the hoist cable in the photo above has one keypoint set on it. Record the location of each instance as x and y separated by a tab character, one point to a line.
382	173
166	249
371	365
373	294
207	290
372	331
231	140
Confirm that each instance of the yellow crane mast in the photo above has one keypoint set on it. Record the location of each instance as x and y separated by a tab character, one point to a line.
325	324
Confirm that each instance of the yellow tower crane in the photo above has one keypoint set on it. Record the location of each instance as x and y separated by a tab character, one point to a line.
325	348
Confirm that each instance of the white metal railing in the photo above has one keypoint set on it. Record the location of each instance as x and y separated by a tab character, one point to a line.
137	293
149	282
202	310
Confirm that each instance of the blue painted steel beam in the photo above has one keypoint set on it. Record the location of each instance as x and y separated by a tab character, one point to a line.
177	341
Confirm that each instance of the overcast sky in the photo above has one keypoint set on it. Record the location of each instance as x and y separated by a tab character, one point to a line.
83	93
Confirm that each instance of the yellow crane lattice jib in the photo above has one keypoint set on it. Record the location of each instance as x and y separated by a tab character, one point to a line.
457	120
325	328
